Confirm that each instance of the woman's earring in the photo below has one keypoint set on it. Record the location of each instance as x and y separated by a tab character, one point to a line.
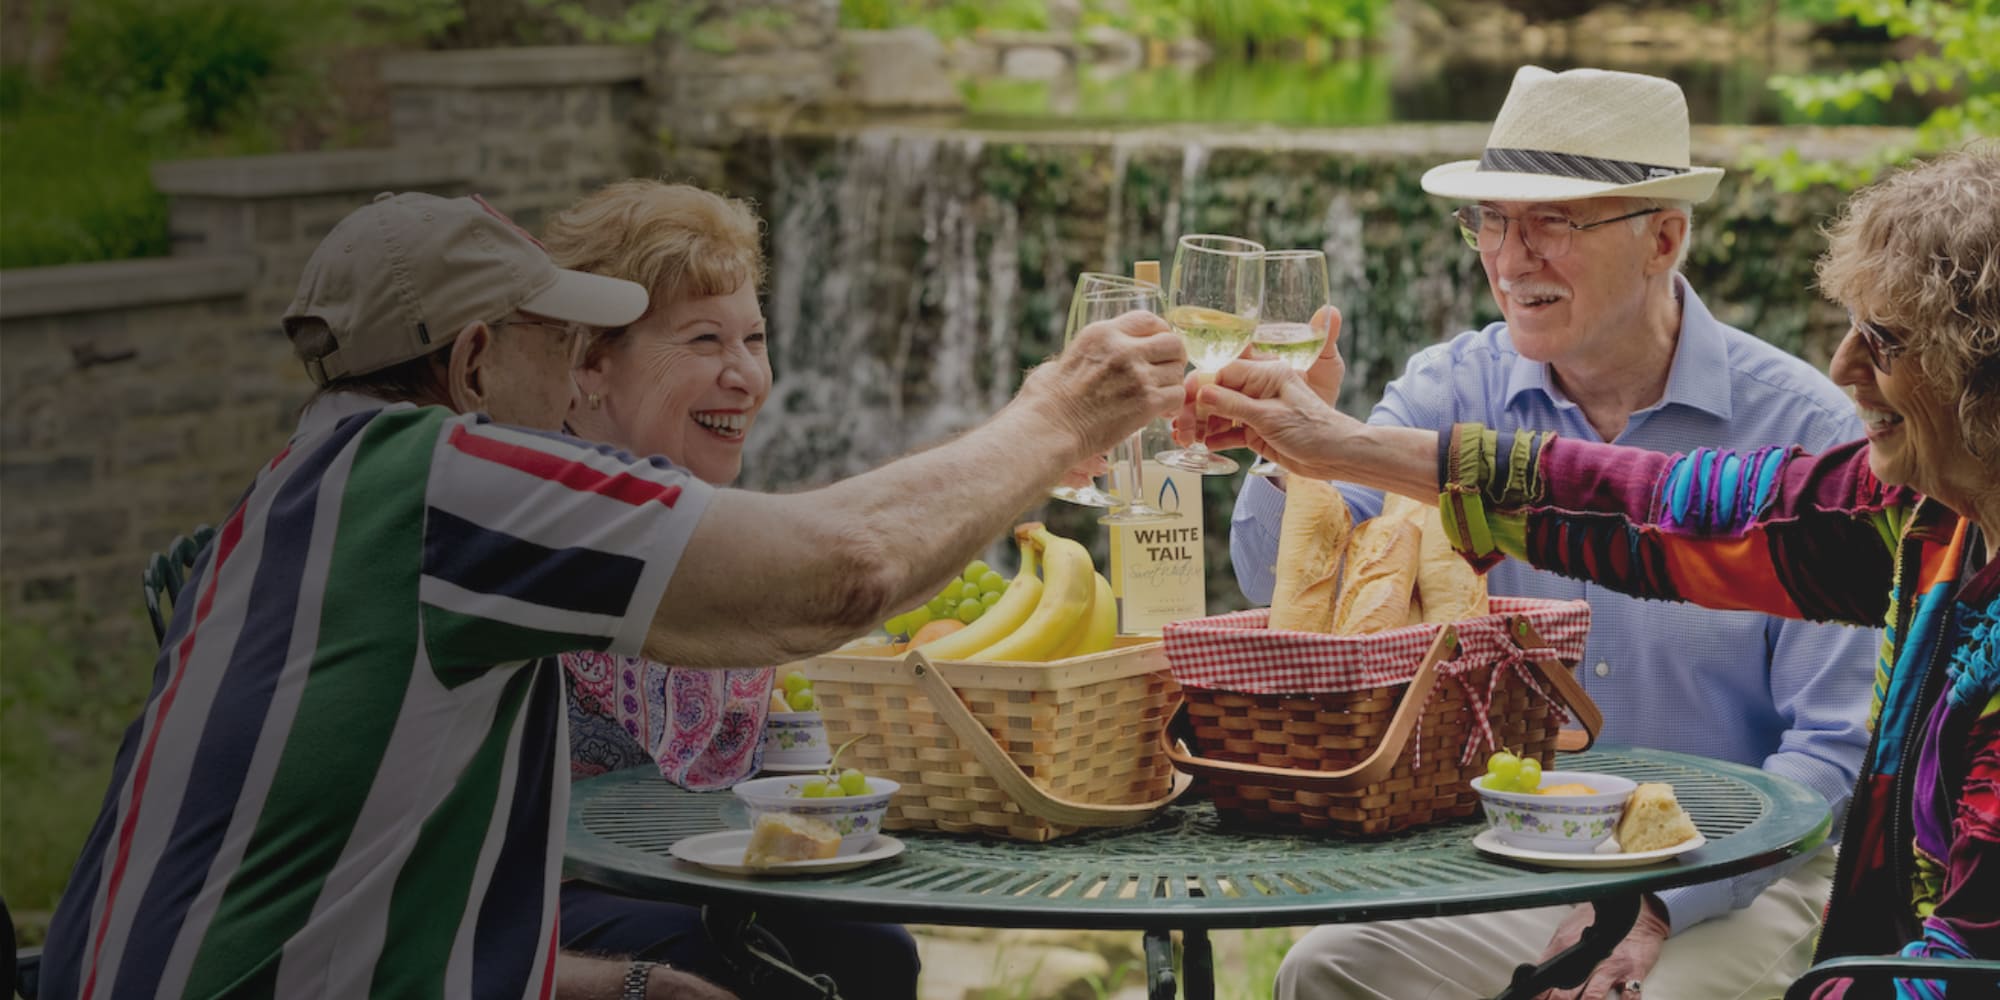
596	401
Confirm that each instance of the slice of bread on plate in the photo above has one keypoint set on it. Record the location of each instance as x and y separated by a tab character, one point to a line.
781	837
1653	819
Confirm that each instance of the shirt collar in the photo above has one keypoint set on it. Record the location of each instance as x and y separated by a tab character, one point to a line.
1697	378
326	411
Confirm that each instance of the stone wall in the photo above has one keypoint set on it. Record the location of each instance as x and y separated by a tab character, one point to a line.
137	398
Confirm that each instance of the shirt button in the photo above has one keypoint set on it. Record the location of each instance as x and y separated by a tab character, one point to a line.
1603	669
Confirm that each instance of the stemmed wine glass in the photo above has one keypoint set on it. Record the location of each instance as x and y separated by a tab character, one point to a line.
1102	296
1289	327
1213	301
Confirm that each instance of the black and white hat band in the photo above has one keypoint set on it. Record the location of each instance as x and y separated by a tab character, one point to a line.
1589	168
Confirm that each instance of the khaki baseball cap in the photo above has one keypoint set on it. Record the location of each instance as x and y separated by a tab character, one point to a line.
400	277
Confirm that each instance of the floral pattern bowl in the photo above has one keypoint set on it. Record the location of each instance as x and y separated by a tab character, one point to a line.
795	738
857	817
1572	823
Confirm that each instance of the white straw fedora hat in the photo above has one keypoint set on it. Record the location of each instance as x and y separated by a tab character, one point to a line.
1585	133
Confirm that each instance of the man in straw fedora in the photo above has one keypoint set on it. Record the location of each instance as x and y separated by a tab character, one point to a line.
1580	211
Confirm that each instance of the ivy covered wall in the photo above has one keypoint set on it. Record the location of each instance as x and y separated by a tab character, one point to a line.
916	273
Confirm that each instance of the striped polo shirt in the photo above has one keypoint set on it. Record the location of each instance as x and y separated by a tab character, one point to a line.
349	779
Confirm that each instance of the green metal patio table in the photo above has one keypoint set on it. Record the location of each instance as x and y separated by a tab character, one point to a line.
1186	871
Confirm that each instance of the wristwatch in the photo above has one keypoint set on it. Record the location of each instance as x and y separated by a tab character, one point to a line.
636	978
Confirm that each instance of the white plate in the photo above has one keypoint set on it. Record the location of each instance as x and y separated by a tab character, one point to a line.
793	768
1607	856
722	851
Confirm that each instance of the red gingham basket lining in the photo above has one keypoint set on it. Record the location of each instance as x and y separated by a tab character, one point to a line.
1236	652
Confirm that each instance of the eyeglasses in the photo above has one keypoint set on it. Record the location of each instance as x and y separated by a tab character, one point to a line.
1883	346
1545	234
568	334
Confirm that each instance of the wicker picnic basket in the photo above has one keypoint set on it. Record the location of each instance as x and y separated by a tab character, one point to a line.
1372	734
1029	751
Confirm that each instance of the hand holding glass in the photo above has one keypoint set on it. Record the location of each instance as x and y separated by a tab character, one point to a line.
1290	327
1213	302
1098	297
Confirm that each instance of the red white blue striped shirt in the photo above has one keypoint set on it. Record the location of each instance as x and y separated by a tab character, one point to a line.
351	776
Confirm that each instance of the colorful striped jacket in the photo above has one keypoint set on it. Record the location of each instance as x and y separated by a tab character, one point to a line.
1816	537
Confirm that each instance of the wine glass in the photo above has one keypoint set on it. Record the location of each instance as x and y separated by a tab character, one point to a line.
1213	300
1295	290
1088	284
1128	459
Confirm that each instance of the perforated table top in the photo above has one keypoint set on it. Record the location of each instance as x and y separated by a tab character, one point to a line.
1184	869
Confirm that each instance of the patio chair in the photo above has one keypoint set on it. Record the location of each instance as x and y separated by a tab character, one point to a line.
166	572
1970	977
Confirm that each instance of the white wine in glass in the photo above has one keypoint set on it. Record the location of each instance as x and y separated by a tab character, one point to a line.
1290	327
1127	475
1214	300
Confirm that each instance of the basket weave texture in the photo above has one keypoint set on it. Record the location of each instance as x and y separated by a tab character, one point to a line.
1324	703
1085	729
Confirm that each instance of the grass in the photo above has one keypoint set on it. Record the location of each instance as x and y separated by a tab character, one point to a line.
64	704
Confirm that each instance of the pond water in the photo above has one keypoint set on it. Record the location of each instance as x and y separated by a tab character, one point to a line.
1374	91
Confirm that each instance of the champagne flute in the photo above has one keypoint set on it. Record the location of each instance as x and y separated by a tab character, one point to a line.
1295	290
1088	284
1213	300
1128	468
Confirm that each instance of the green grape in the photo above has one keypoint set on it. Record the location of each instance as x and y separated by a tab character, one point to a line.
940	606
1501	770
918	619
990	598
969	611
853	782
795	682
898	625
802	700
976	569
968	591
1530	778
992	583
815	788
833	790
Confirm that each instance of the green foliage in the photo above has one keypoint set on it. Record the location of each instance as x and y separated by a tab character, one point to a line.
1349	92
75	181
1232	25
65	700
1960	63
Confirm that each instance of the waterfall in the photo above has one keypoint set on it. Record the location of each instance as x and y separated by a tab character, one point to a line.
892	306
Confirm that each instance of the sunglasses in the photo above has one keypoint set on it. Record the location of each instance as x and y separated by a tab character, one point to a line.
1883	346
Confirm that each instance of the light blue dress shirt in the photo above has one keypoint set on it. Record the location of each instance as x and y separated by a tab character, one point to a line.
1788	697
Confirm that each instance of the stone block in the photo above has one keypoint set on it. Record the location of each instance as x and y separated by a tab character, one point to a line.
97	532
906	68
50	476
1034	62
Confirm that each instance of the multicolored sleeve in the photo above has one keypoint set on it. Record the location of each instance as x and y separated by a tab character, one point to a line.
1772	530
537	544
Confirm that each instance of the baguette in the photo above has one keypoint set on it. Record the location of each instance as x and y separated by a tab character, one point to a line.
1381	570
1452	590
1311	540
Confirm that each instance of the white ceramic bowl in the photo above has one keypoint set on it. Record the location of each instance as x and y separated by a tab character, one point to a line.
1573	823
795	738
857	817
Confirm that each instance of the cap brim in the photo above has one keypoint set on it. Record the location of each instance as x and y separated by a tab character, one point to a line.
590	299
1463	179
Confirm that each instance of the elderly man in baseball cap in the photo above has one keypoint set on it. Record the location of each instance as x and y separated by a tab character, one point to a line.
350	778
1579	209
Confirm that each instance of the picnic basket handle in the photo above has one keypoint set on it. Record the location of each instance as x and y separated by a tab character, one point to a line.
1564	684
1032	798
1375	767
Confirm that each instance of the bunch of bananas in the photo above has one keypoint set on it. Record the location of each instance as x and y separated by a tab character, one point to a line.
1067	611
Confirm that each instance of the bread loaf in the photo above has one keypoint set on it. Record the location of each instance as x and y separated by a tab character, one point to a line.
1381	567
781	837
1452	591
1311	539
1653	819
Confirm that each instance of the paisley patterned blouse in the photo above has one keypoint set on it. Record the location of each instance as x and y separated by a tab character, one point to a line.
702	727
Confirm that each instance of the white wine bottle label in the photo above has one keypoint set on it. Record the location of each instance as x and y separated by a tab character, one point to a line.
1157	569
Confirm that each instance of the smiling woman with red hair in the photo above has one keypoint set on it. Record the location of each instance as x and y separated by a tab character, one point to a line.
686	380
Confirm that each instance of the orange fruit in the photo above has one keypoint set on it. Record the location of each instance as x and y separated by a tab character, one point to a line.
937	628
